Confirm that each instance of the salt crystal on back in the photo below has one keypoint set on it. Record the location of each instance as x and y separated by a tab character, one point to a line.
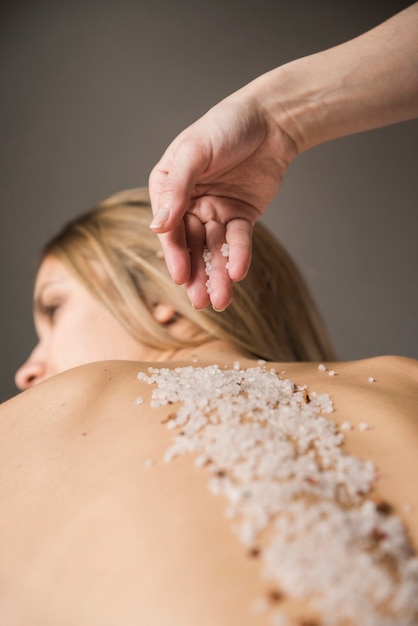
279	463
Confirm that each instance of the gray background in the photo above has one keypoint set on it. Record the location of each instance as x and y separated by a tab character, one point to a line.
93	91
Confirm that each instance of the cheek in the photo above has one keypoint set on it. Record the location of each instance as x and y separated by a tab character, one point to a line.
77	337
71	345
87	333
98	336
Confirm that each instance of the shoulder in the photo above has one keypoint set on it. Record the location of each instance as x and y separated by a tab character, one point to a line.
385	387
394	369
391	379
382	376
91	383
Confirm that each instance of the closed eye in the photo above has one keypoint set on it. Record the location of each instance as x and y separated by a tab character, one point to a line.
50	312
47	311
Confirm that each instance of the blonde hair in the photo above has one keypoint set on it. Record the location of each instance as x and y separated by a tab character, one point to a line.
272	315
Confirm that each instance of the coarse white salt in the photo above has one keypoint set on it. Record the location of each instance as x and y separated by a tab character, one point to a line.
207	256
261	362
279	463
225	250
371	379
346	426
139	400
331	373
364	426
149	463
322	367
201	461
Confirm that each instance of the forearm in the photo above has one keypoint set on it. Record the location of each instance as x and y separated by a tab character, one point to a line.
367	82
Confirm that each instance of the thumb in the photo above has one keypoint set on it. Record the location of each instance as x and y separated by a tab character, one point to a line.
173	179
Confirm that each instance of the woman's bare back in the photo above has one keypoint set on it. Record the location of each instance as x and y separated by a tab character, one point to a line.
97	528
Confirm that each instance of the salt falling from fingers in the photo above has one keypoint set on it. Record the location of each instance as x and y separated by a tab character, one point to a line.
207	257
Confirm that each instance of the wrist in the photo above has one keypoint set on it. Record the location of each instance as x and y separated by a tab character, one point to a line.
317	98
293	97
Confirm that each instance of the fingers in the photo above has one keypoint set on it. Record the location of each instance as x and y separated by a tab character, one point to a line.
170	185
176	252
196	285
219	256
219	283
208	280
238	238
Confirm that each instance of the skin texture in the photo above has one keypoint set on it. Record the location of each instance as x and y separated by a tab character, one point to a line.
90	535
221	173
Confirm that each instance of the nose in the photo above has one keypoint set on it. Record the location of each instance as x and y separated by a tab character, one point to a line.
31	372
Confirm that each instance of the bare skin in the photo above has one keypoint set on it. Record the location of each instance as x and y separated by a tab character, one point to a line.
90	535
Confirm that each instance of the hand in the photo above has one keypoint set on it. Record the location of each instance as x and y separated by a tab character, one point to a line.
211	185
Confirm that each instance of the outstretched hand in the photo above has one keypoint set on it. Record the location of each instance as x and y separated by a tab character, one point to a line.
209	188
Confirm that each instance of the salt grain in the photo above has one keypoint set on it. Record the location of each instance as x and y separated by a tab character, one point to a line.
331	373
346	426
207	257
225	250
371	379
322	367
149	463
139	400
364	426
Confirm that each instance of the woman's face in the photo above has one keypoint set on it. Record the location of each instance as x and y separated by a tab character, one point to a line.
73	328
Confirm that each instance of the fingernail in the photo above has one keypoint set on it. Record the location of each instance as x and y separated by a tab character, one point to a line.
160	219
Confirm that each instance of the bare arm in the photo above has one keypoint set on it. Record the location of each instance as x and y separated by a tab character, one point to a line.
220	174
